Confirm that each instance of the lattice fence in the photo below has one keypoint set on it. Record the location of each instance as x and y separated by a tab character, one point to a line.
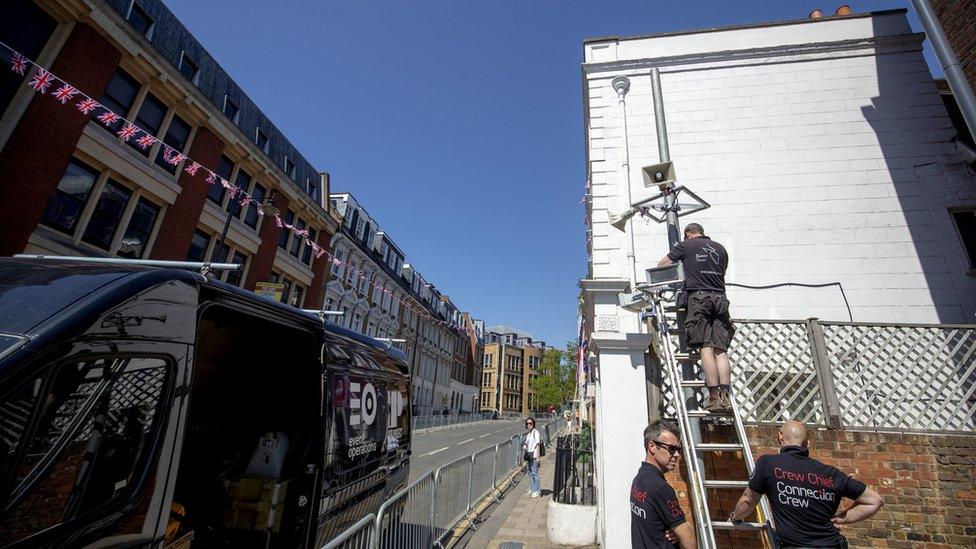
884	377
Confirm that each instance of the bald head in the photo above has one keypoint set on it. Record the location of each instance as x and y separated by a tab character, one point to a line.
793	433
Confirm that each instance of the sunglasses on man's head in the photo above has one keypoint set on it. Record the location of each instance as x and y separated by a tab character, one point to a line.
671	448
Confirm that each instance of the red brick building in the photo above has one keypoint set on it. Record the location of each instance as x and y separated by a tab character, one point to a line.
71	186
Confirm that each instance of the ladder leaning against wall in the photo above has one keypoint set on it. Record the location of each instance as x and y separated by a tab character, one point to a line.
664	323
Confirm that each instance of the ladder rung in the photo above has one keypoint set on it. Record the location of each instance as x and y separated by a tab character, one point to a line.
714	447
706	413
725	525
692	383
725	483
673	309
686	357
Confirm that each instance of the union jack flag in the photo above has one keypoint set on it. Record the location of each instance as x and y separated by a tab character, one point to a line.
65	93
211	177
128	131
108	118
87	105
19	64
145	141
41	81
192	168
175	158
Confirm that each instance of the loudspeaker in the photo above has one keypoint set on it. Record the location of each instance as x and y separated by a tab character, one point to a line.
661	175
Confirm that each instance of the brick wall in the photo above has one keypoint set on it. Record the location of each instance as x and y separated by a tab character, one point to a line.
928	482
958	19
181	218
39	149
262	261
322	270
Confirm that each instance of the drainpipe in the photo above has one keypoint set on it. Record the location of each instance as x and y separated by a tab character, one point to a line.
621	85
949	63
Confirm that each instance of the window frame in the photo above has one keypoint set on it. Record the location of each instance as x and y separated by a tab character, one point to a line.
289	168
257	141
195	77
237	109
148	33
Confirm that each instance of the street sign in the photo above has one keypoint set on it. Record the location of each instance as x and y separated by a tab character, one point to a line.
270	290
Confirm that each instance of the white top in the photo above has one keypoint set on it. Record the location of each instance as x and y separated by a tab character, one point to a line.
531	444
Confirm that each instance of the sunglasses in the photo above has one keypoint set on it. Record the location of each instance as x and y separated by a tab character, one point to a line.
671	448
527	423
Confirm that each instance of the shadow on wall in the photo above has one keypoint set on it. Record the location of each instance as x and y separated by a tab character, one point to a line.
929	177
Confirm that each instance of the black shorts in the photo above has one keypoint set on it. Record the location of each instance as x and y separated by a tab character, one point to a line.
707	323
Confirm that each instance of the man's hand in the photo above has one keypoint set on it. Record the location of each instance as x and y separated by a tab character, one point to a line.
665	261
838	522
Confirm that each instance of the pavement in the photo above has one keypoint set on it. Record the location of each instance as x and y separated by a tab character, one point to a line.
518	521
433	449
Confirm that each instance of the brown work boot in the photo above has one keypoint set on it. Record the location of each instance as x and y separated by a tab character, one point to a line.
726	399
714	401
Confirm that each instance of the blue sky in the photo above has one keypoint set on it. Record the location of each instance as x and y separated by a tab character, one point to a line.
457	123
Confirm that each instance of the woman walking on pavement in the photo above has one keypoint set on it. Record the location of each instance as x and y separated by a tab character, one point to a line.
530	448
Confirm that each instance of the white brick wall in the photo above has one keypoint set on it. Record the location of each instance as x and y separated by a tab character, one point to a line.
820	166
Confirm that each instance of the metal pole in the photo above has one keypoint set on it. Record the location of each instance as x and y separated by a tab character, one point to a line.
949	63
671	212
223	235
621	85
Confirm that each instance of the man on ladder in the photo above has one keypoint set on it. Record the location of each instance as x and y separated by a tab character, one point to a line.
805	494
708	325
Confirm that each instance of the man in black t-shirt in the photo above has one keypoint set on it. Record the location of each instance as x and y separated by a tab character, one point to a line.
805	494
654	507
708	326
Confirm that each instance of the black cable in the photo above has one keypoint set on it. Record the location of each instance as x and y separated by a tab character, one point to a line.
802	285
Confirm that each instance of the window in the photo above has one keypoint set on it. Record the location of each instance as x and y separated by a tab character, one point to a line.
360	226
357	322
150	118
257	194
53	478
141	224
108	212
290	168
286	290
313	190
261	139
140	20
345	316
296	296
296	243
176	137
231	109
966	225
329	303
285	233
235	277
69	198
188	68
220	253
215	193
337	264
307	253
198	246
242	182
119	95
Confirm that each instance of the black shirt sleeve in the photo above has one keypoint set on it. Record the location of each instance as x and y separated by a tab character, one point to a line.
665	503
853	488
759	481
677	253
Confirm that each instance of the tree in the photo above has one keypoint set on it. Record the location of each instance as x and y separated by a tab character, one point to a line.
556	383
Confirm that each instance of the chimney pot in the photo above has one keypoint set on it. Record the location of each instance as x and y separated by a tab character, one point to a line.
843	10
816	14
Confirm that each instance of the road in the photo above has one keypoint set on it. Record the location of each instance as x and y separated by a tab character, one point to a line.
442	447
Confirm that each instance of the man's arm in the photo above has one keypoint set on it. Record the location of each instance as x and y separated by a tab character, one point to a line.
665	261
686	536
865	506
745	505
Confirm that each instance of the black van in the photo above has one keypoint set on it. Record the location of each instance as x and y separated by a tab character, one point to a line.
154	407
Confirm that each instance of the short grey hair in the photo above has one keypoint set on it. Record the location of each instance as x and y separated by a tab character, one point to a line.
654	430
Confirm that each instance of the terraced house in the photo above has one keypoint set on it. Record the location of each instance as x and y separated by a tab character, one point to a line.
83	190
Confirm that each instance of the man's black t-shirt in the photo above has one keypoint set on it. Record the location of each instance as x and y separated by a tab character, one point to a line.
654	509
804	495
704	262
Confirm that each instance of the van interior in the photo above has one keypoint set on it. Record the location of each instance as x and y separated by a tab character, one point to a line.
252	427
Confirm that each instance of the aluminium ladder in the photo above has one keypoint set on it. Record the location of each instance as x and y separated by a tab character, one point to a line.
663	323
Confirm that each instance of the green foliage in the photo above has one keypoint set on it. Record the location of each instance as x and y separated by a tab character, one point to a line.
586	441
556	383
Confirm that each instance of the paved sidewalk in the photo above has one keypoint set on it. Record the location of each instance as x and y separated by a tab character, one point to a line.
526	523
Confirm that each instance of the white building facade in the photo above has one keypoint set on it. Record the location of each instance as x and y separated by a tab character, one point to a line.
826	154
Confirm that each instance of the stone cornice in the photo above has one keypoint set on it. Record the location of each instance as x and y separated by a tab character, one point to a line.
602	342
604	285
764	56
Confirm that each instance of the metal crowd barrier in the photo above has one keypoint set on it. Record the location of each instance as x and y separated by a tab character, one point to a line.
425	513
429	422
